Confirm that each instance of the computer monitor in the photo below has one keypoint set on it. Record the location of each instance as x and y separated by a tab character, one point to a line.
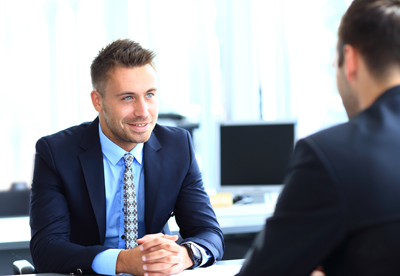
253	156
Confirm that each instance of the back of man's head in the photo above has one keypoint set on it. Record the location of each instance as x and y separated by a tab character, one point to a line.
123	53
373	28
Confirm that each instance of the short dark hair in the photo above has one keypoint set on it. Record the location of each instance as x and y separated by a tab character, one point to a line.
124	53
373	28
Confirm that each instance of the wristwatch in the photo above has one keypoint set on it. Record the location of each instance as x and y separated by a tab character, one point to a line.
194	254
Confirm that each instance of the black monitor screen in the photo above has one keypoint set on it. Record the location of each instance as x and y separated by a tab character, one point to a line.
255	154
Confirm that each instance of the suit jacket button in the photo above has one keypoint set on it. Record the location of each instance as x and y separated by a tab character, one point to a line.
79	271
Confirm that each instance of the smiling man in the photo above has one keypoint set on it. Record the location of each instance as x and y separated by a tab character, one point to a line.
103	192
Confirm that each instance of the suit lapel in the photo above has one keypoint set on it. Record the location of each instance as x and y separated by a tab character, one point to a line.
153	167
93	171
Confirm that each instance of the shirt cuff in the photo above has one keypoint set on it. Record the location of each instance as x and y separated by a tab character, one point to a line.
206	256
105	262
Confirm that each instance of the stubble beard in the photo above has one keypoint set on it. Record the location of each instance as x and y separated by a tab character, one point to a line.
121	131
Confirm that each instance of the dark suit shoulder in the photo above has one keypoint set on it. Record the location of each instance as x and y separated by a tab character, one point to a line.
170	136
378	122
68	133
323	141
70	141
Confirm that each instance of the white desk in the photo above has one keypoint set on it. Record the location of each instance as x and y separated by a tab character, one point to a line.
250	218
15	233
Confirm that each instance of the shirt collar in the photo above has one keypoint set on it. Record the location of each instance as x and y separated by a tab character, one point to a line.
114	153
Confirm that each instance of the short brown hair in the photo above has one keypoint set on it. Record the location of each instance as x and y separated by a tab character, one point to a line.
125	53
373	28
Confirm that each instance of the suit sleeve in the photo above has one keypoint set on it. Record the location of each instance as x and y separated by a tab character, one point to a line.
194	214
50	244
308	222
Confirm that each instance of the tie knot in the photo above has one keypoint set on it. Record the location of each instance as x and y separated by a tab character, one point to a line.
128	159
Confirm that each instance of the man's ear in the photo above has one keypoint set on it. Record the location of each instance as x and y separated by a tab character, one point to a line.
97	100
350	63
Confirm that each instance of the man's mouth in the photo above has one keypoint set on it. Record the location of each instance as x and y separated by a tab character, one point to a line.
139	126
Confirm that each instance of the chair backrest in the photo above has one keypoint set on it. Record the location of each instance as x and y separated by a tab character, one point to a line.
14	203
23	267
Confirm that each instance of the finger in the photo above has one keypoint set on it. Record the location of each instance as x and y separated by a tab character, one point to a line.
156	267
162	256
175	269
150	273
157	242
317	273
148	237
162	250
164	268
172	238
152	236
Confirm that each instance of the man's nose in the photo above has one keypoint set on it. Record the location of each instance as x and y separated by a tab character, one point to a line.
140	108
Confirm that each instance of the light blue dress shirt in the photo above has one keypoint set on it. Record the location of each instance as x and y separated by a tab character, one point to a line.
114	167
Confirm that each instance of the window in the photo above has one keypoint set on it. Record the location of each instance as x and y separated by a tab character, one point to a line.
216	60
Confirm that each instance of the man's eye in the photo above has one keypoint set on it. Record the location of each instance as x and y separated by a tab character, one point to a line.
149	95
128	98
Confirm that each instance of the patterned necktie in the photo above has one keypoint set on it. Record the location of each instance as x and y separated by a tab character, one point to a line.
130	205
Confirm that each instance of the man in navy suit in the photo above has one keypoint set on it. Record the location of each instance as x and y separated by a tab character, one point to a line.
340	207
77	200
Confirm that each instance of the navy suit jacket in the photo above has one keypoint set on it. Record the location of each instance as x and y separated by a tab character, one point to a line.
340	207
68	204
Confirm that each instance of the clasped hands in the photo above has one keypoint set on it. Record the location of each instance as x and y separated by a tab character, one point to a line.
155	255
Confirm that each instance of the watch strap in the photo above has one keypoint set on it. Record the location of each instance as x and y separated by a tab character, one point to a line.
194	254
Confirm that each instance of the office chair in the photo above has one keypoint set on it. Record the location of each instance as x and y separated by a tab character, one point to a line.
15	203
23	267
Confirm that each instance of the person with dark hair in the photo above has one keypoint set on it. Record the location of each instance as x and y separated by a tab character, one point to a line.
103	192
340	207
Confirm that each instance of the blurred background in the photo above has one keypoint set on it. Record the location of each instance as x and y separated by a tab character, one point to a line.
217	60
